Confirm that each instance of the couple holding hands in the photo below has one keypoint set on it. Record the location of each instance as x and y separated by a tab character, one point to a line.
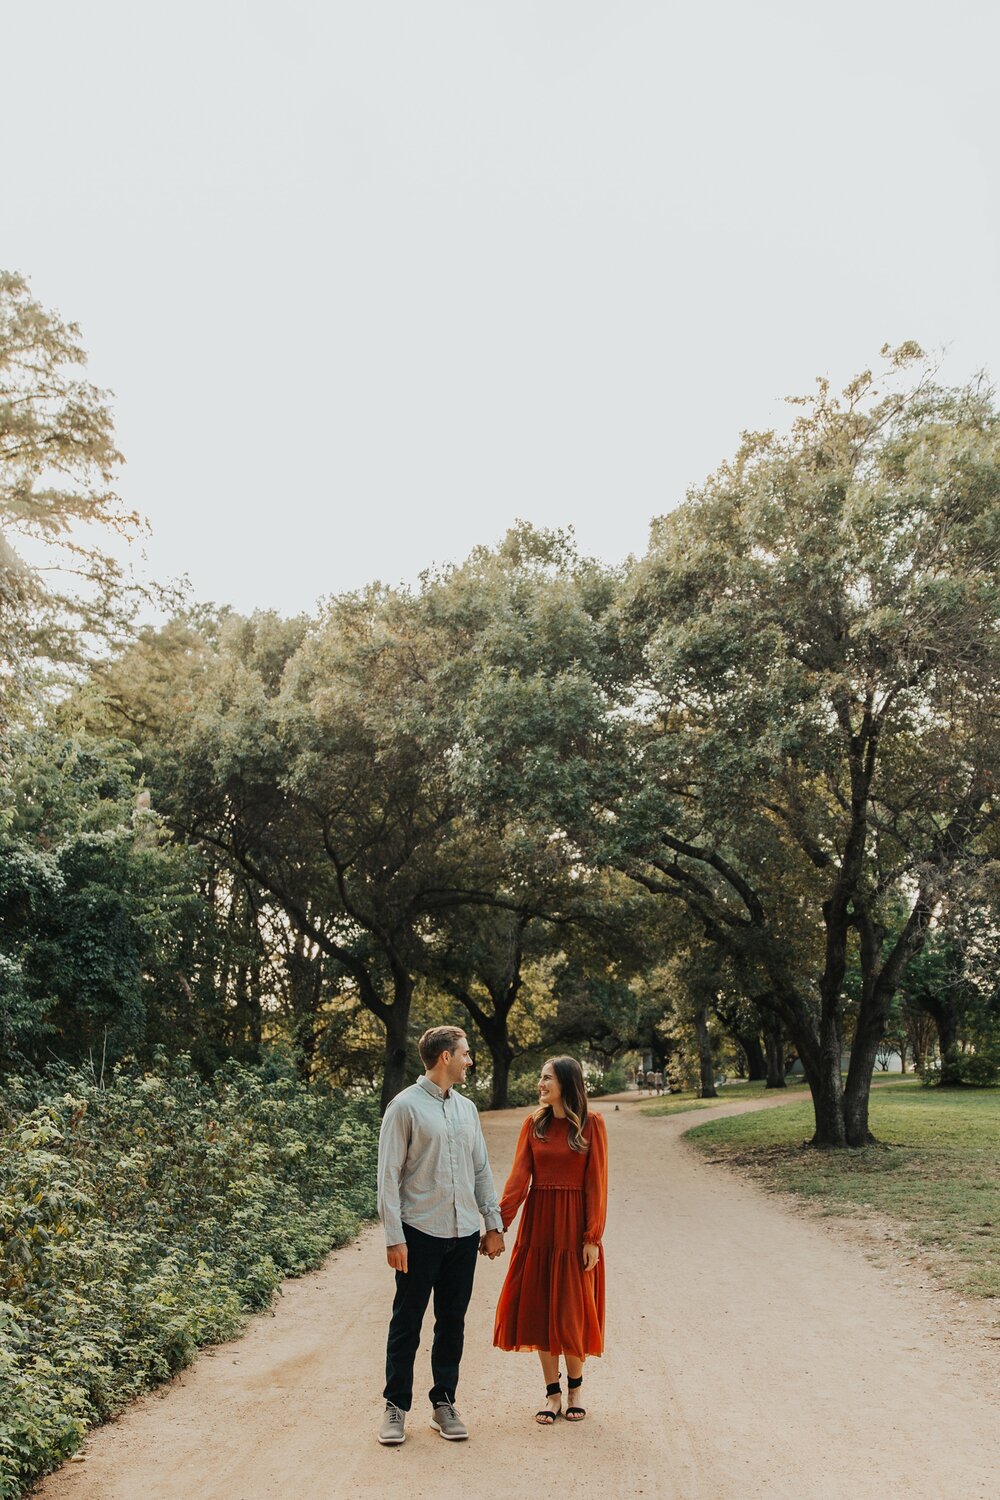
434	1182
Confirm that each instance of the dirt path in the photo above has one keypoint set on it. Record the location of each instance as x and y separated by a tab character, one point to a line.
752	1351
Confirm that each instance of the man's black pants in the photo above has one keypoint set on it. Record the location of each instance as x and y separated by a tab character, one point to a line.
446	1268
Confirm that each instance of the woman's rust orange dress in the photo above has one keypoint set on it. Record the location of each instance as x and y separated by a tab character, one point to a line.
548	1300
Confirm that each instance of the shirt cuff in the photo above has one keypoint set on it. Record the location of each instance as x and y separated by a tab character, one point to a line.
493	1221
394	1233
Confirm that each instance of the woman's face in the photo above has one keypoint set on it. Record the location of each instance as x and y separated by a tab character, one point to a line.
549	1091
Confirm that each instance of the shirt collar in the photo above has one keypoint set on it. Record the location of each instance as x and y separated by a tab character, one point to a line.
433	1089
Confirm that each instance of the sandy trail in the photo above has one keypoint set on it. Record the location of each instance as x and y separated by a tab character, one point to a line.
752	1351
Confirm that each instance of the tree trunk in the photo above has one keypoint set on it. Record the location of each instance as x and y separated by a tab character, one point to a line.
705	1060
818	1042
946	1022
859	1082
821	1062
493	1030
302	968
501	1058
774	1042
775	1063
753	1051
397	1022
828	1104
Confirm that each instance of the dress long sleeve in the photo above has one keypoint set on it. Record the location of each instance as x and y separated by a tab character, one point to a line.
595	1183
518	1182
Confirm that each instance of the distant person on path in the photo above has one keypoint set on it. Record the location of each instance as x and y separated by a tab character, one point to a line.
434	1181
658	1081
552	1299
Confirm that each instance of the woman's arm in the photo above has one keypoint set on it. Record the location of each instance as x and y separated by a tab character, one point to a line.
595	1183
517	1184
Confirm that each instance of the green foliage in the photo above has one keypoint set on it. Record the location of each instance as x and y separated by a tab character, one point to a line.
961	1067
58	463
613	1080
142	1220
785	720
93	899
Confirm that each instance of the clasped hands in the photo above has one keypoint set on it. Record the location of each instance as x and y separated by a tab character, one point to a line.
491	1244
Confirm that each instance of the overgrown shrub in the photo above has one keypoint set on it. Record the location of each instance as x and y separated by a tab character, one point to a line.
978	1069
143	1219
613	1080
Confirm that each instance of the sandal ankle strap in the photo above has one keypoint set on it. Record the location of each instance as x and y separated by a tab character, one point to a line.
574	1382
555	1389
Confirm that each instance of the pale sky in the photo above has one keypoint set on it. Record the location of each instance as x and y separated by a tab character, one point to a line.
370	280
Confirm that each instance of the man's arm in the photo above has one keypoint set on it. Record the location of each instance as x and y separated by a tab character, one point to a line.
393	1145
491	1243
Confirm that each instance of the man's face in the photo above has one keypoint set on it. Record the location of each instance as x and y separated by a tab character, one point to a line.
458	1062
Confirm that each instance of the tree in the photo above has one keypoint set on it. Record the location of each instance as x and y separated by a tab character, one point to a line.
91	902
315	759
953	982
817	716
788	720
481	965
59	587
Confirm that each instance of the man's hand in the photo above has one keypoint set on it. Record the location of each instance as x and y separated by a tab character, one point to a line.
396	1255
491	1244
591	1255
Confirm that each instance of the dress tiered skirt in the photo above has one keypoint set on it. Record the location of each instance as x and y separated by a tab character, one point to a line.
548	1300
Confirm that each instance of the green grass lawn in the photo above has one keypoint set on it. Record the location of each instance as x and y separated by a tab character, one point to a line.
731	1093
936	1169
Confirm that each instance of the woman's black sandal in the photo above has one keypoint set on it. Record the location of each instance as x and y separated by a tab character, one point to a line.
574	1413
545	1417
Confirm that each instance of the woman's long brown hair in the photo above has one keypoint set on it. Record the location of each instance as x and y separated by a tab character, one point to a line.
569	1075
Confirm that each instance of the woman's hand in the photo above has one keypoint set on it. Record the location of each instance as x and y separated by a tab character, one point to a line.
591	1255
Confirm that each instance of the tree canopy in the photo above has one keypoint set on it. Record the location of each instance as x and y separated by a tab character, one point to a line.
62	586
731	789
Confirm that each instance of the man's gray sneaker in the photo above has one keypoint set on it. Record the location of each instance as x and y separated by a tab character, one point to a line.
448	1423
392	1429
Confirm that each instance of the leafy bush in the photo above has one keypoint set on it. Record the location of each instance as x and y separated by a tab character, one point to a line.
141	1220
978	1069
613	1080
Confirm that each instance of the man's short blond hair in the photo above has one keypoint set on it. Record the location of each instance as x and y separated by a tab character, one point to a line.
436	1040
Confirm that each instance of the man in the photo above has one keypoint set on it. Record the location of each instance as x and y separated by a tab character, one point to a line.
434	1181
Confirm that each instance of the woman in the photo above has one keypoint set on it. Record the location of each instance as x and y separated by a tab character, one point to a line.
552	1300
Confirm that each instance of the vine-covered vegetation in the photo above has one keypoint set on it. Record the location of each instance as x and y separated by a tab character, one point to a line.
146	1216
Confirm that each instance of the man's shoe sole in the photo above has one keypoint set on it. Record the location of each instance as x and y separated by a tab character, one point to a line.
450	1437
392	1442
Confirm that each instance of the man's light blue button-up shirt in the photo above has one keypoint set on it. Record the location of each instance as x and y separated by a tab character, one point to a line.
433	1169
